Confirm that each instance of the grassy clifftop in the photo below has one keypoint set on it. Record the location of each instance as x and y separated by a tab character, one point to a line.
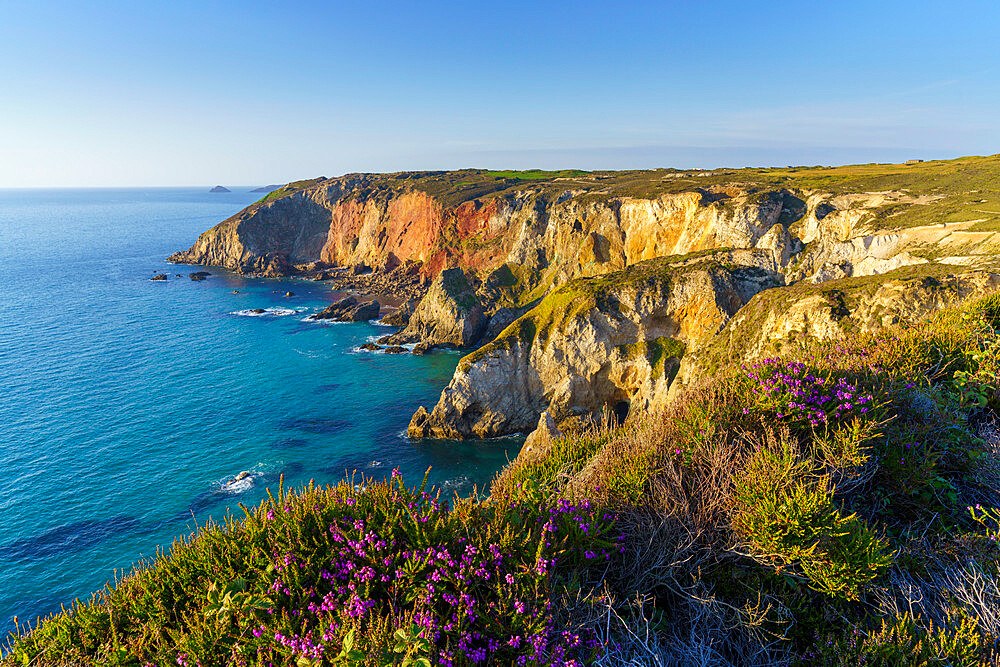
958	190
837	507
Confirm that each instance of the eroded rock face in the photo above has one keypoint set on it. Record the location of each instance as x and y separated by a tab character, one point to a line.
611	341
780	320
449	314
365	220
539	442
595	225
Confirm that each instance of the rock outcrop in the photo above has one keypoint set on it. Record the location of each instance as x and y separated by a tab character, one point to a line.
401	316
782	320
613	342
449	314
349	310
539	442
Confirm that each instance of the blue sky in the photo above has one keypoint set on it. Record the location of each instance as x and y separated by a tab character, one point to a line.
107	93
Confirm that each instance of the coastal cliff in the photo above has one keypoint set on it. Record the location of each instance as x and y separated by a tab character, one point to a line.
545	234
611	341
539	269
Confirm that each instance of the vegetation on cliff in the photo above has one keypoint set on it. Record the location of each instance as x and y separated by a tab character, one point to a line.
581	296
962	189
835	505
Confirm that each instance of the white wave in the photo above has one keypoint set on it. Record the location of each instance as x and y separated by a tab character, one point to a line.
457	482
236	485
264	312
321	322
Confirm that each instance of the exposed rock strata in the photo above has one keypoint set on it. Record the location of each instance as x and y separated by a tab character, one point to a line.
548	232
367	220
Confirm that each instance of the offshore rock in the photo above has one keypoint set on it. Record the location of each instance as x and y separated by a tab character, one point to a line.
349	310
401	316
336	309
368	310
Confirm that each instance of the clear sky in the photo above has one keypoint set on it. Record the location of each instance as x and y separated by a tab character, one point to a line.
178	93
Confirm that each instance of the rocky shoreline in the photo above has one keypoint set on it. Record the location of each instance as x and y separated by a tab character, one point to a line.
579	297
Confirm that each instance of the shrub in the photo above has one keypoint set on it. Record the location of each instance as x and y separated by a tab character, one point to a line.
787	516
381	571
793	392
902	641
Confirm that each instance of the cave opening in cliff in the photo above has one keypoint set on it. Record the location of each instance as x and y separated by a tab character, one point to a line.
621	410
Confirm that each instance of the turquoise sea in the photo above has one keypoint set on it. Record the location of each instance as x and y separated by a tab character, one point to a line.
126	404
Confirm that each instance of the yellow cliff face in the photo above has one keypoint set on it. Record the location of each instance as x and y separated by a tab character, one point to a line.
670	225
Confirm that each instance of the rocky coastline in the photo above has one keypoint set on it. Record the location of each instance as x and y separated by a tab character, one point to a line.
607	293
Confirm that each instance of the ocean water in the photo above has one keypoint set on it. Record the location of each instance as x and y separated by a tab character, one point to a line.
126	404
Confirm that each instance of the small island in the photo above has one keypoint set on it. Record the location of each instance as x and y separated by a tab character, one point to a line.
219	188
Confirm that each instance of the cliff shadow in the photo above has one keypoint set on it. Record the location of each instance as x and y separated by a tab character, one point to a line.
70	538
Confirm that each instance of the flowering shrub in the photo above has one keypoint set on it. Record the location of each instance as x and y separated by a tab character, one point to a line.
798	395
382	574
476	580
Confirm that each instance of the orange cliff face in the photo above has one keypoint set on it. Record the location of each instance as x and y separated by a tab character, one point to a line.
371	231
414	227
